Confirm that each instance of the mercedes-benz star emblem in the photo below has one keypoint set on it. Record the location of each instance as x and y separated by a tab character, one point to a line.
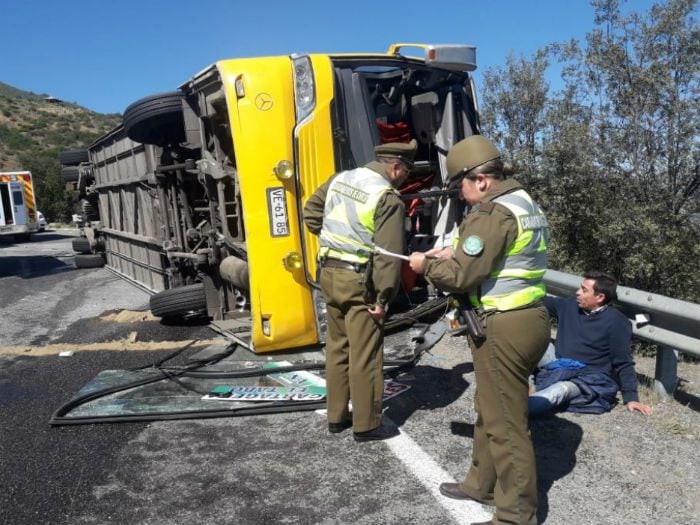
264	102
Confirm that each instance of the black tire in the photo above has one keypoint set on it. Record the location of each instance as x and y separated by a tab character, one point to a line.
178	302
82	184
90	210
89	261
157	119
73	157
81	245
70	174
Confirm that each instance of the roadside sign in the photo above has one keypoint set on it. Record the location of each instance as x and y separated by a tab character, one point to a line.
267	393
287	393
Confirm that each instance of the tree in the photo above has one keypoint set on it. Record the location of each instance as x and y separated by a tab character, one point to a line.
514	107
52	198
645	72
642	79
613	157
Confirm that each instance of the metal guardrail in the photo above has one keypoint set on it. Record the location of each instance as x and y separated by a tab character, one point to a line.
672	324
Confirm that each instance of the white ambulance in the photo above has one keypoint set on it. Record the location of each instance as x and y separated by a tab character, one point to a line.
18	213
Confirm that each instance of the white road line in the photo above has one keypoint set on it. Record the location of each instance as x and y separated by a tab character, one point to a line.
430	474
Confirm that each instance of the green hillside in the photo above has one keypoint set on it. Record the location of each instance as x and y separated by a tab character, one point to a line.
33	130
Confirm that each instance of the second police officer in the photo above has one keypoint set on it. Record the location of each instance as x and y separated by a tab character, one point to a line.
352	213
498	262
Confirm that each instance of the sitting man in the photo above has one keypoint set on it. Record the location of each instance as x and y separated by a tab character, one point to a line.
592	358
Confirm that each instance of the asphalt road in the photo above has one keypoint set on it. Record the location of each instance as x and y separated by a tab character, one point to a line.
269	469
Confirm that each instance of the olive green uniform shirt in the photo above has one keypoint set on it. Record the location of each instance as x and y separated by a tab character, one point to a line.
497	228
388	233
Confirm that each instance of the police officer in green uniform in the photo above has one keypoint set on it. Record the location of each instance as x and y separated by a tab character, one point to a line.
498	262
352	213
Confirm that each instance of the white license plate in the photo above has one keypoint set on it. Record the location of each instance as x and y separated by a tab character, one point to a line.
277	212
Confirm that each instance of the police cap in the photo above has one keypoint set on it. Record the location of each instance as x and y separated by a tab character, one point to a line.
468	154
397	150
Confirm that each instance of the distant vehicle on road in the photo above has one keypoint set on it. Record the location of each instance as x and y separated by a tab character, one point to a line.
18	213
42	221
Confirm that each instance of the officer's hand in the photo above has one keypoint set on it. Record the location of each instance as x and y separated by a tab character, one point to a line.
417	260
377	312
636	406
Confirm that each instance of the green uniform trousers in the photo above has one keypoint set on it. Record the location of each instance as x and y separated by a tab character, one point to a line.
503	470
354	351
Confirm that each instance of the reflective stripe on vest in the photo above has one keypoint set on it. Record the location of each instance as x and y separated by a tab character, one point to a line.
348	216
517	280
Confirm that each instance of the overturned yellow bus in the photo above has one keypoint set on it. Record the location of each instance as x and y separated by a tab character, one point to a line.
198	195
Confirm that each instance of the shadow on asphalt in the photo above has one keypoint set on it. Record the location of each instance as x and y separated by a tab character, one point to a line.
29	267
424	395
98	329
555	442
459	428
51	235
686	398
48	235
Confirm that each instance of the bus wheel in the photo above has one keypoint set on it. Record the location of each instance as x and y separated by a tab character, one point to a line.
90	211
89	261
157	119
73	157
180	301
81	245
70	174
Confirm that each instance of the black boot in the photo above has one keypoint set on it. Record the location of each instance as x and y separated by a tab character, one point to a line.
383	431
335	428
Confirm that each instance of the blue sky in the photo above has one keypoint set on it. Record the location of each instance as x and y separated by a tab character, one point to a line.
105	54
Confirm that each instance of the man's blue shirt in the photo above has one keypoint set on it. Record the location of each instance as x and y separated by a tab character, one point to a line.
600	340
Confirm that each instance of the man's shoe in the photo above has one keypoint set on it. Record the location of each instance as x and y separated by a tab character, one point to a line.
335	428
452	490
383	431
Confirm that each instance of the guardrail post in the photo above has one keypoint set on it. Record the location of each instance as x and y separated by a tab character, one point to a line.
666	375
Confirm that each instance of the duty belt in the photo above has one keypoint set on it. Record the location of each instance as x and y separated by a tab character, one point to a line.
337	263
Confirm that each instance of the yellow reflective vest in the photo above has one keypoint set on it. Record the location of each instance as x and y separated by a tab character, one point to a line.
348	216
517	280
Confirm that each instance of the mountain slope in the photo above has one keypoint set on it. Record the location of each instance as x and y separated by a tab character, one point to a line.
34	129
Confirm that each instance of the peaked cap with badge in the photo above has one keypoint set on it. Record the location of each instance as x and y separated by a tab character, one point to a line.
469	153
405	152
